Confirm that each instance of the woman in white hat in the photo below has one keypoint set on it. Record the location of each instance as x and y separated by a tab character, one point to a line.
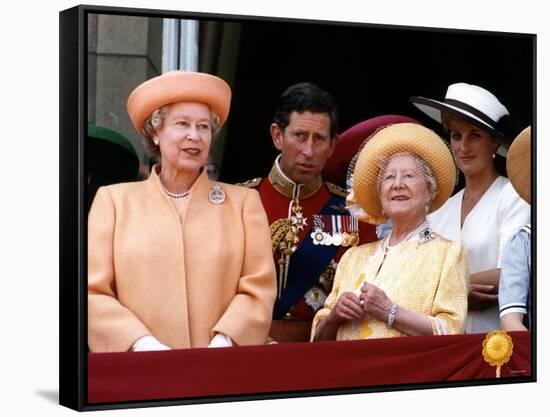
487	211
514	294
178	261
413	282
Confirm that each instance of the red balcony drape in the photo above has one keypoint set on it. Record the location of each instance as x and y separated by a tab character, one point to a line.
192	373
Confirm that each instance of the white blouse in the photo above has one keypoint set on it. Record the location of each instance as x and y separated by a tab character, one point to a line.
494	219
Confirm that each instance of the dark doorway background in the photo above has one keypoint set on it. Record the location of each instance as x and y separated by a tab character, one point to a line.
369	70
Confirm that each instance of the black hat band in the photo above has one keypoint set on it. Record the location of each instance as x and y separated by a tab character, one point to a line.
470	109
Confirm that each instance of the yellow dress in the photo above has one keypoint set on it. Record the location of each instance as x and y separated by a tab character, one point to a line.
424	276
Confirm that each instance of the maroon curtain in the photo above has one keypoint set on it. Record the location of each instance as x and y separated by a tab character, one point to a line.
139	376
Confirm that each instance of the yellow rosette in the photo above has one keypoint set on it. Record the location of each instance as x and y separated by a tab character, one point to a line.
497	349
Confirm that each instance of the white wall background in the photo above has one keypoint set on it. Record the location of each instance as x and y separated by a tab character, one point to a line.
29	206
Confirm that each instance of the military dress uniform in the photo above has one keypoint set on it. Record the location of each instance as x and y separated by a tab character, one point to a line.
310	231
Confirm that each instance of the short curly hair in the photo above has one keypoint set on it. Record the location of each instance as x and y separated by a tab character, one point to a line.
420	162
154	123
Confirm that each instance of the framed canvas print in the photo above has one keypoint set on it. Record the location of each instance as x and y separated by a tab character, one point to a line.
258	208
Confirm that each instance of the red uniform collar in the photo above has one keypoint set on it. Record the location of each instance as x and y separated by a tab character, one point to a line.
289	188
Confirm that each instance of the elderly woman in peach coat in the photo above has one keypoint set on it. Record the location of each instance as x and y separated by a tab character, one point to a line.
178	261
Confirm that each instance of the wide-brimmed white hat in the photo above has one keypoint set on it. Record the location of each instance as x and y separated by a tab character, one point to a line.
471	102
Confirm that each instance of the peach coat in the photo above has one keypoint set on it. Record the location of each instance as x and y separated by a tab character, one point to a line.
149	274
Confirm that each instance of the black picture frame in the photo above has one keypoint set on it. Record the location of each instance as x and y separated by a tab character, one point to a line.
73	202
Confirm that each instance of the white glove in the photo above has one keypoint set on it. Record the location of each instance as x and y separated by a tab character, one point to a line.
220	340
146	343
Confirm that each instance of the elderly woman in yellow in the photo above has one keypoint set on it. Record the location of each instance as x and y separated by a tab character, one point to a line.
178	261
413	282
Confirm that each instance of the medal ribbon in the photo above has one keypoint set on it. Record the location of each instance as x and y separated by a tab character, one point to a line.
306	265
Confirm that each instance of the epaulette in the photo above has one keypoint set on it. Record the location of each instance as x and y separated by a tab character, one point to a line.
253	183
335	189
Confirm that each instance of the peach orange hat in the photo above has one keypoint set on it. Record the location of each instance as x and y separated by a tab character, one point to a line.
178	86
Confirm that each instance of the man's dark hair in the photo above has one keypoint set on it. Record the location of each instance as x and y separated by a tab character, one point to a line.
304	97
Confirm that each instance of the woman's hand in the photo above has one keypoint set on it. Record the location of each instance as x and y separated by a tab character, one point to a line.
348	307
375	302
481	296
220	340
148	343
483	289
377	305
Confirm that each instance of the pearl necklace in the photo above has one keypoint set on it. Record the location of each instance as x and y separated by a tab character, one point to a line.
174	196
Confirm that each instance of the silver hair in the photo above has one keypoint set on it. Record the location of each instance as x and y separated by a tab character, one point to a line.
421	163
154	123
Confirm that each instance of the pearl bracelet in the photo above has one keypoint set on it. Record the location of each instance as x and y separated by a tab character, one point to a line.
391	316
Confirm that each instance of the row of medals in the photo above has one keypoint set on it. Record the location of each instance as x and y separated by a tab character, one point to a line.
336	238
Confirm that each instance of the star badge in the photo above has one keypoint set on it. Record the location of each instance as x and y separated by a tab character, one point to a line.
298	221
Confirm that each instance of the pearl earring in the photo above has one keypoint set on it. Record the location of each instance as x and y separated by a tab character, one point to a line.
494	155
156	142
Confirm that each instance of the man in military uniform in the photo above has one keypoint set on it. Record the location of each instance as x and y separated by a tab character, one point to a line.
310	227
